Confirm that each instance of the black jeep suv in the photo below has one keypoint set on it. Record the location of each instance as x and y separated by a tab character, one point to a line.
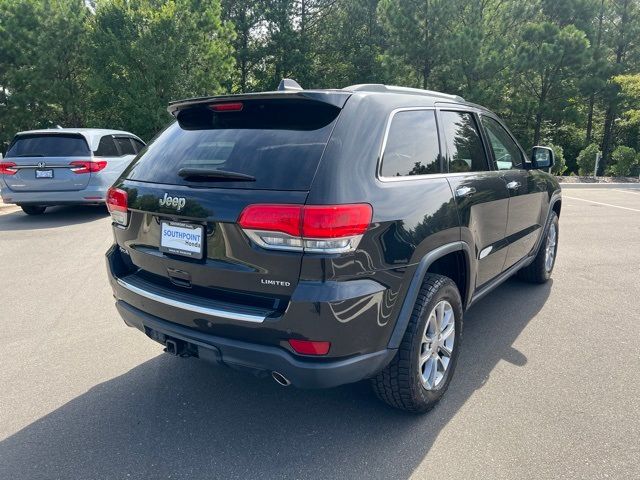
328	236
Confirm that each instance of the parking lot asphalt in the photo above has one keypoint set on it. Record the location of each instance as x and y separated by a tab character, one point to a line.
4	208
547	385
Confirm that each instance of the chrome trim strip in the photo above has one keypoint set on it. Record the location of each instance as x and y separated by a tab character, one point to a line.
46	167
467	108
387	128
243	317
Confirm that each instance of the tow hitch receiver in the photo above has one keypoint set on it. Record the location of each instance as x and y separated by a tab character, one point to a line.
176	347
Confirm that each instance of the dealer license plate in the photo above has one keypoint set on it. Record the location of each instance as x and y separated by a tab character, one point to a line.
183	239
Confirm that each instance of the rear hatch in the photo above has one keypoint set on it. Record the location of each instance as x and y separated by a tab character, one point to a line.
195	180
48	162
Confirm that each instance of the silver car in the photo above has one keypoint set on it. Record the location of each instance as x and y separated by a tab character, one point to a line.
64	166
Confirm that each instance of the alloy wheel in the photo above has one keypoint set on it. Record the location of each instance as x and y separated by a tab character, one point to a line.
550	253
437	345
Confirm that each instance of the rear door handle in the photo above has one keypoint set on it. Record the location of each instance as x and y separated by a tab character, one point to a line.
513	185
465	191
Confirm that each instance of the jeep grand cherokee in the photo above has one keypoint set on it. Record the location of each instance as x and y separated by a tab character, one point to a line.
328	236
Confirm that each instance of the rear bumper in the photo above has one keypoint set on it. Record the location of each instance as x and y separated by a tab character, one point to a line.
72	197
259	358
248	338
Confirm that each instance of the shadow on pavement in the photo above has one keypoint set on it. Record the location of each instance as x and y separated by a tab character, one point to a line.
174	418
54	217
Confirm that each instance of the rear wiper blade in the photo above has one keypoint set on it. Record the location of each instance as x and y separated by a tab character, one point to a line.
30	155
210	174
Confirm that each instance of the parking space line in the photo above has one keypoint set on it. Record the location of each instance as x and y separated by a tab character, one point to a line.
628	191
600	203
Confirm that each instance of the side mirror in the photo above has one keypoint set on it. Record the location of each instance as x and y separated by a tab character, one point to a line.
542	157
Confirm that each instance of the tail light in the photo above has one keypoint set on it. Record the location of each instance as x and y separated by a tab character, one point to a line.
118	204
82	166
309	228
6	168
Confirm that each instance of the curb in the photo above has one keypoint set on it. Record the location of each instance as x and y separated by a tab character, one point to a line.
569	186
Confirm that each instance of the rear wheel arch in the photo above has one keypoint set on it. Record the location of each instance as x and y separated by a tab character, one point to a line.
437	261
419	374
456	266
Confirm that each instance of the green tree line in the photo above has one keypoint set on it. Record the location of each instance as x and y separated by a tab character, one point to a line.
560	72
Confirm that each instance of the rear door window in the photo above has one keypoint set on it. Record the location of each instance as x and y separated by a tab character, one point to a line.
137	144
107	147
412	145
464	146
49	145
279	142
125	145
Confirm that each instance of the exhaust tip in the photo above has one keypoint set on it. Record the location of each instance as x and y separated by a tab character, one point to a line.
280	379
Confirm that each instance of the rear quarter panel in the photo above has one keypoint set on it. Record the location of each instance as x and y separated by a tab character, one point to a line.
410	218
105	178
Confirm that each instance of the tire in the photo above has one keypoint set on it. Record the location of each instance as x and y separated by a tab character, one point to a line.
540	270
33	209
402	383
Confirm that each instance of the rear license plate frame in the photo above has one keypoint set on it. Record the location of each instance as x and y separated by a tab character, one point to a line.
181	247
44	174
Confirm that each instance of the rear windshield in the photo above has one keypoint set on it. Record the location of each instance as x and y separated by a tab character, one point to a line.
49	145
278	142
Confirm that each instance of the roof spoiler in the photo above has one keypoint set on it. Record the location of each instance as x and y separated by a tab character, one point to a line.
337	98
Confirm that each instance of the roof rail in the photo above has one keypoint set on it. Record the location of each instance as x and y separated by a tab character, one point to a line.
379	87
